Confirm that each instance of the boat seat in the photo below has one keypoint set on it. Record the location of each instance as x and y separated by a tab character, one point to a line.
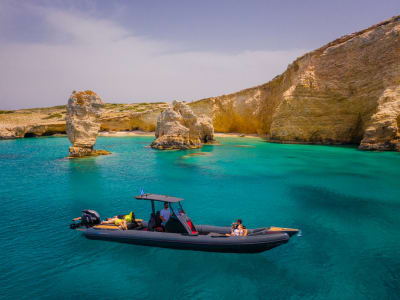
154	222
107	226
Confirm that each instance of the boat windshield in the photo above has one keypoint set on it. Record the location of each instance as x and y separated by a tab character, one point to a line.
176	208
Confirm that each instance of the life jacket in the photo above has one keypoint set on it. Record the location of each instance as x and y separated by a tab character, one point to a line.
130	217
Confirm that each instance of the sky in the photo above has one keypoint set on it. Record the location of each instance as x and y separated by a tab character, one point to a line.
147	51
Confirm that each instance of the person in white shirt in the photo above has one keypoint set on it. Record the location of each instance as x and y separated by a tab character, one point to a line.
165	214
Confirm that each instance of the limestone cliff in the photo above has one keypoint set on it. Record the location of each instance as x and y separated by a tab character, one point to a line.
32	122
179	128
83	123
344	92
132	117
383	133
51	120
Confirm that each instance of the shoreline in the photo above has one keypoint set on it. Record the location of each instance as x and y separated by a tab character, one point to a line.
152	133
126	133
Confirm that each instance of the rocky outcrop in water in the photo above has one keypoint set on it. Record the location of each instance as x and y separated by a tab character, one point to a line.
179	128
83	123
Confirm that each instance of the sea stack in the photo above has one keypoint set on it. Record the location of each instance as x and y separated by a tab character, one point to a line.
83	123
179	128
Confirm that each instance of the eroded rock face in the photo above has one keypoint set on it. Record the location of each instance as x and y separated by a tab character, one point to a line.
51	120
83	123
32	130
384	131
346	92
179	128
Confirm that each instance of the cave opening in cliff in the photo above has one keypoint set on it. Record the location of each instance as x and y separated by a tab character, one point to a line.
29	135
49	133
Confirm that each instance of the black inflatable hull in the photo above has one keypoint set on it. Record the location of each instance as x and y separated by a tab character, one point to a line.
248	244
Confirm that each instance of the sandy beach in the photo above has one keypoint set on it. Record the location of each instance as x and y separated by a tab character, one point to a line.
151	133
126	133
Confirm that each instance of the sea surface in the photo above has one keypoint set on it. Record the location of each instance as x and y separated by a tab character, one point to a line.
345	201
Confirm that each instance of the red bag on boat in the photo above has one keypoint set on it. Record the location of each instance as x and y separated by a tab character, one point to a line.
191	227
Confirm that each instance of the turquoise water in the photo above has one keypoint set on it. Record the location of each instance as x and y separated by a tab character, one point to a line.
346	202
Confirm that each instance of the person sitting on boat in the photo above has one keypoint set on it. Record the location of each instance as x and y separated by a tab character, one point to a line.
233	228
121	223
165	214
238	229
242	229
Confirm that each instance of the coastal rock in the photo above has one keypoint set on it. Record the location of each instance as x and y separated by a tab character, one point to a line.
26	123
144	120
179	128
83	123
32	130
51	120
384	130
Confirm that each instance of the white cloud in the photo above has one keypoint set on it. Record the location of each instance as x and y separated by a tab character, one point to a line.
121	67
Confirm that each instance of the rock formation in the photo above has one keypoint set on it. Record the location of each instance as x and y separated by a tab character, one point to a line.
383	133
179	128
83	123
32	130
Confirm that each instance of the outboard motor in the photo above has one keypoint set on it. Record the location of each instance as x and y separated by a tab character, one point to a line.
88	219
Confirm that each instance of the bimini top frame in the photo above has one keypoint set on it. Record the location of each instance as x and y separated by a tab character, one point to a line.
155	197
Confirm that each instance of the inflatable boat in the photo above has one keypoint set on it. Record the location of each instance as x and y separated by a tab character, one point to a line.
179	232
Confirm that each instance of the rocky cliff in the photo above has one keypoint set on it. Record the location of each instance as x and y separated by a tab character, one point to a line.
51	120
344	92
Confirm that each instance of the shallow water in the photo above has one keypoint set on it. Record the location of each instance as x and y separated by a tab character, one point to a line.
346	202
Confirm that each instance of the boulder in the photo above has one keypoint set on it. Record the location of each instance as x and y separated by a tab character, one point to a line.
83	123
179	128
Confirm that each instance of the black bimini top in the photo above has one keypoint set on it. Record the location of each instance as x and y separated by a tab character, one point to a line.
155	197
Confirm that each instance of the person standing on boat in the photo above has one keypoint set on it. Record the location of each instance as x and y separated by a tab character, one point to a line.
165	214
